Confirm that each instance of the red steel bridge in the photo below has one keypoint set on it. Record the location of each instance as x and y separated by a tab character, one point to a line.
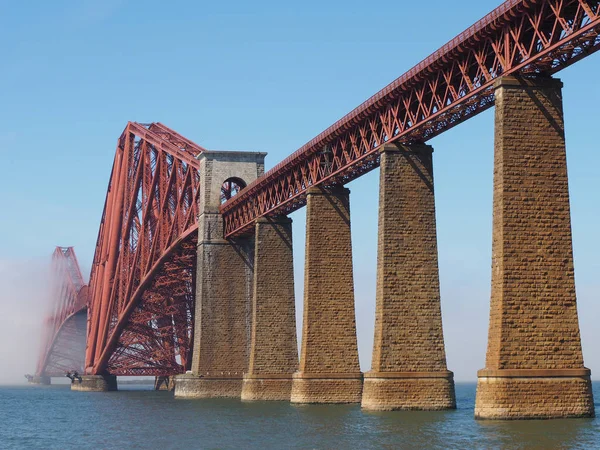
142	284
64	330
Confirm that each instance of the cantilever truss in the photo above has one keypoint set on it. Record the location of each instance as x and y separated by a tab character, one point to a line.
63	344
143	275
526	37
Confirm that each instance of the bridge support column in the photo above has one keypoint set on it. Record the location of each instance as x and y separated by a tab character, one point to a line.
409	360
41	379
329	370
95	383
534	363
221	342
273	348
223	283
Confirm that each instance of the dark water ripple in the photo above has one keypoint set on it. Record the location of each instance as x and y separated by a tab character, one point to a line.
53	417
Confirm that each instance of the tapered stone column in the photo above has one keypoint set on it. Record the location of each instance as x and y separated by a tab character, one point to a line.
409	360
534	364
224	273
329	370
273	348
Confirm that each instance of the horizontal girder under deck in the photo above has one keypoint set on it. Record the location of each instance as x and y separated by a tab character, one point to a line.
520	37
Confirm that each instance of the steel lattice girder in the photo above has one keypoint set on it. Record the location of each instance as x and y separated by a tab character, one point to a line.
63	341
143	274
526	37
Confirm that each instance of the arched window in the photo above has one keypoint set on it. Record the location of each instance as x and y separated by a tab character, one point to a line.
231	187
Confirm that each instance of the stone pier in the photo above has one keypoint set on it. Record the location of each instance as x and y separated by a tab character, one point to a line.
534	363
43	380
329	371
409	359
273	349
94	383
164	383
223	284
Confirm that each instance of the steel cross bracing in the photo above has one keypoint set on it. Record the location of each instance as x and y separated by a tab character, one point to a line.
530	38
143	274
64	334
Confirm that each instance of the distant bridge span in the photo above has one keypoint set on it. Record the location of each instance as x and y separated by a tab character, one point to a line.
64	333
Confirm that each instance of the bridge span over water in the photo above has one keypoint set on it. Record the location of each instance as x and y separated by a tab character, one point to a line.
192	276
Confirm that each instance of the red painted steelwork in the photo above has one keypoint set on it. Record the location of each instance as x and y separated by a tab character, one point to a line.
63	344
143	274
526	37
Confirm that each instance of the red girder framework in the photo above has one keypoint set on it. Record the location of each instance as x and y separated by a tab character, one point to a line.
64	338
142	286
143	275
525	37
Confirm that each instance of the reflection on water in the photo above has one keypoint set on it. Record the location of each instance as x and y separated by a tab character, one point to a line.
56	418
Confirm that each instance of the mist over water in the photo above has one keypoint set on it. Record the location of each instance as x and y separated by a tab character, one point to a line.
24	302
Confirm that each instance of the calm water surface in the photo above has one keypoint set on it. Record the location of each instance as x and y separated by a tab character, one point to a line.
53	417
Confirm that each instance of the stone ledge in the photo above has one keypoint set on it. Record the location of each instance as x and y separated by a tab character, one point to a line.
533	373
327	376
539	82
384	375
268	376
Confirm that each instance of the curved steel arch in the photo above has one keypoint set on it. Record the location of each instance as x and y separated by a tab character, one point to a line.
69	297
143	274
67	350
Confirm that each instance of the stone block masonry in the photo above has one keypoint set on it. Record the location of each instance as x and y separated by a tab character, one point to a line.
95	383
409	360
534	363
273	348
329	371
223	285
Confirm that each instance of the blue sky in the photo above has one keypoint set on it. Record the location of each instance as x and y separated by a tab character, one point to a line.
264	76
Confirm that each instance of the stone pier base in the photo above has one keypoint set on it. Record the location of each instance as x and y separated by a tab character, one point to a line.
327	388
41	380
426	391
95	383
534	394
193	386
265	387
164	384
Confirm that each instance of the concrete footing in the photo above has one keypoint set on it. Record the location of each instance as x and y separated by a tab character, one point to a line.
164	383
95	383
194	386
534	394
265	387
426	391
327	388
41	380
